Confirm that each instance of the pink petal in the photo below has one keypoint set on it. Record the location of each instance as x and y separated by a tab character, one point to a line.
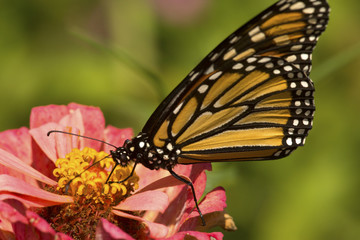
196	174
192	170
156	230
43	163
73	119
27	224
45	114
148	176
57	145
214	201
40	224
10	161
32	196
116	136
149	200
65	142
18	143
13	211
88	120
162	184
73	122
9	215
199	181
180	11
181	197
46	143
27	201
196	235
108	231
94	124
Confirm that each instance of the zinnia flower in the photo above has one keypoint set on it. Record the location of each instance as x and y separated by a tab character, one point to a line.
50	187
179	11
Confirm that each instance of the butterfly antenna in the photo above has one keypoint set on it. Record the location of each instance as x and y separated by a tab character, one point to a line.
78	135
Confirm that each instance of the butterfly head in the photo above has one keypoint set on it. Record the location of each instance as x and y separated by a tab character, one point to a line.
120	156
132	150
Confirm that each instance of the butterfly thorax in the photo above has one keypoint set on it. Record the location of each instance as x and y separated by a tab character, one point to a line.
141	150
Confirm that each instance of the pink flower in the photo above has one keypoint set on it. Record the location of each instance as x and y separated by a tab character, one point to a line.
35	168
179	11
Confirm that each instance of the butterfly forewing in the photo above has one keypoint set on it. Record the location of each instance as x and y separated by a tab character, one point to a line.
251	97
288	29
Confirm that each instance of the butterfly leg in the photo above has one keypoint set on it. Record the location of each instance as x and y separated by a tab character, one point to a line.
130	175
192	189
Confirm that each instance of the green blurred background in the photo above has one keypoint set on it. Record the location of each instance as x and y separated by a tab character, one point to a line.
100	53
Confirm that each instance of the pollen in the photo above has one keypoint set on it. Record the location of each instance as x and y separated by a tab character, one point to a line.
83	174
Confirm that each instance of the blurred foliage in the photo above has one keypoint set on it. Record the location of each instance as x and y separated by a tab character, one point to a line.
123	57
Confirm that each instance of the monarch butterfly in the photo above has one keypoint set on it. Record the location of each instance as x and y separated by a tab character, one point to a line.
249	99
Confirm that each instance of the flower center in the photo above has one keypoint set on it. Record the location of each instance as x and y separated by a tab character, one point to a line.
87	171
90	183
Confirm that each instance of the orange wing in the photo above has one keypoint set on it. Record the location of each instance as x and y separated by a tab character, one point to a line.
251	97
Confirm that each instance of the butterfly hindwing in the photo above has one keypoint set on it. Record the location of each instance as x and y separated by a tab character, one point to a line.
258	108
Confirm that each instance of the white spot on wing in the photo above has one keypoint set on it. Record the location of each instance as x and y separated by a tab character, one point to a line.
234	39
291	58
276	71
176	110
251	59
169	146
254	31
214	57
229	54
258	37
238	66
269	65
215	75
288	68
250	68
296	47
296	122
304	56
194	76
304	84
282	8
309	10
210	69
289	141
264	60
266	15
203	88
297	6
